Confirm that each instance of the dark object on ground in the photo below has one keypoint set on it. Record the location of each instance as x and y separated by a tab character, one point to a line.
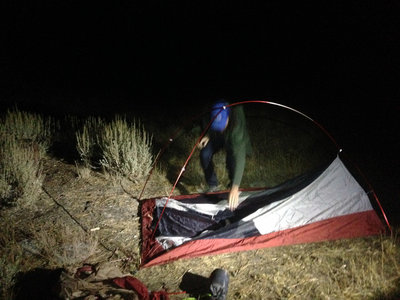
214	288
219	282
38	284
194	284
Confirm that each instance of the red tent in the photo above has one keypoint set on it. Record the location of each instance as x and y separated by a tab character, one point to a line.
327	203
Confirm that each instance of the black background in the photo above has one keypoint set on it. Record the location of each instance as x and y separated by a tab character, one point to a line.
337	61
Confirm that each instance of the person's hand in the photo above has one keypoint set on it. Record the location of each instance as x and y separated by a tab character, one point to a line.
203	142
234	197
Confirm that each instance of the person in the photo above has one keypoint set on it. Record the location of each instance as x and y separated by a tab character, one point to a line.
229	131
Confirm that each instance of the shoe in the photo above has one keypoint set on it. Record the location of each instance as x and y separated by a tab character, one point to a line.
212	189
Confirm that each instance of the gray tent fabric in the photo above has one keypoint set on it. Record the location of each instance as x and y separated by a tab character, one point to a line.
334	192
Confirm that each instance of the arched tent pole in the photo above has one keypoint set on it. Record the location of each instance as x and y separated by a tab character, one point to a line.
183	169
175	134
164	148
246	102
294	110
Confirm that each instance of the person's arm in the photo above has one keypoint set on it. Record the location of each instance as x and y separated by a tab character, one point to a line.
238	142
203	142
234	197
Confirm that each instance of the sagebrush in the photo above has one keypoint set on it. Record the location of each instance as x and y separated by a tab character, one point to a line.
120	147
24	140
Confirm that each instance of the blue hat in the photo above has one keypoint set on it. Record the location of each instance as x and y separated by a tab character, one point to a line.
221	114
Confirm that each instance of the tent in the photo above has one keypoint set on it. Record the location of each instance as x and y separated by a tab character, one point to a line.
326	203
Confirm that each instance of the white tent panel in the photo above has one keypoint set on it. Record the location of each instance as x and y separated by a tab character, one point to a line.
334	193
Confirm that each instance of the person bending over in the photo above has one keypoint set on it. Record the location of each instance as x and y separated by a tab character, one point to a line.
228	131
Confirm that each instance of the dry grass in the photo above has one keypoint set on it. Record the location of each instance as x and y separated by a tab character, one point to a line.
62	244
10	257
365	268
83	171
89	217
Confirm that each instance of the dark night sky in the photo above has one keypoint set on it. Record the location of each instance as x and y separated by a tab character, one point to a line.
338	61
172	50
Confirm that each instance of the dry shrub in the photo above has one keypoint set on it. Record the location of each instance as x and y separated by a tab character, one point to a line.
28	129
126	149
87	142
122	149
24	140
21	175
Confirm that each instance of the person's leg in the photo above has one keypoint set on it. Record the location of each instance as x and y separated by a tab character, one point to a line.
206	155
